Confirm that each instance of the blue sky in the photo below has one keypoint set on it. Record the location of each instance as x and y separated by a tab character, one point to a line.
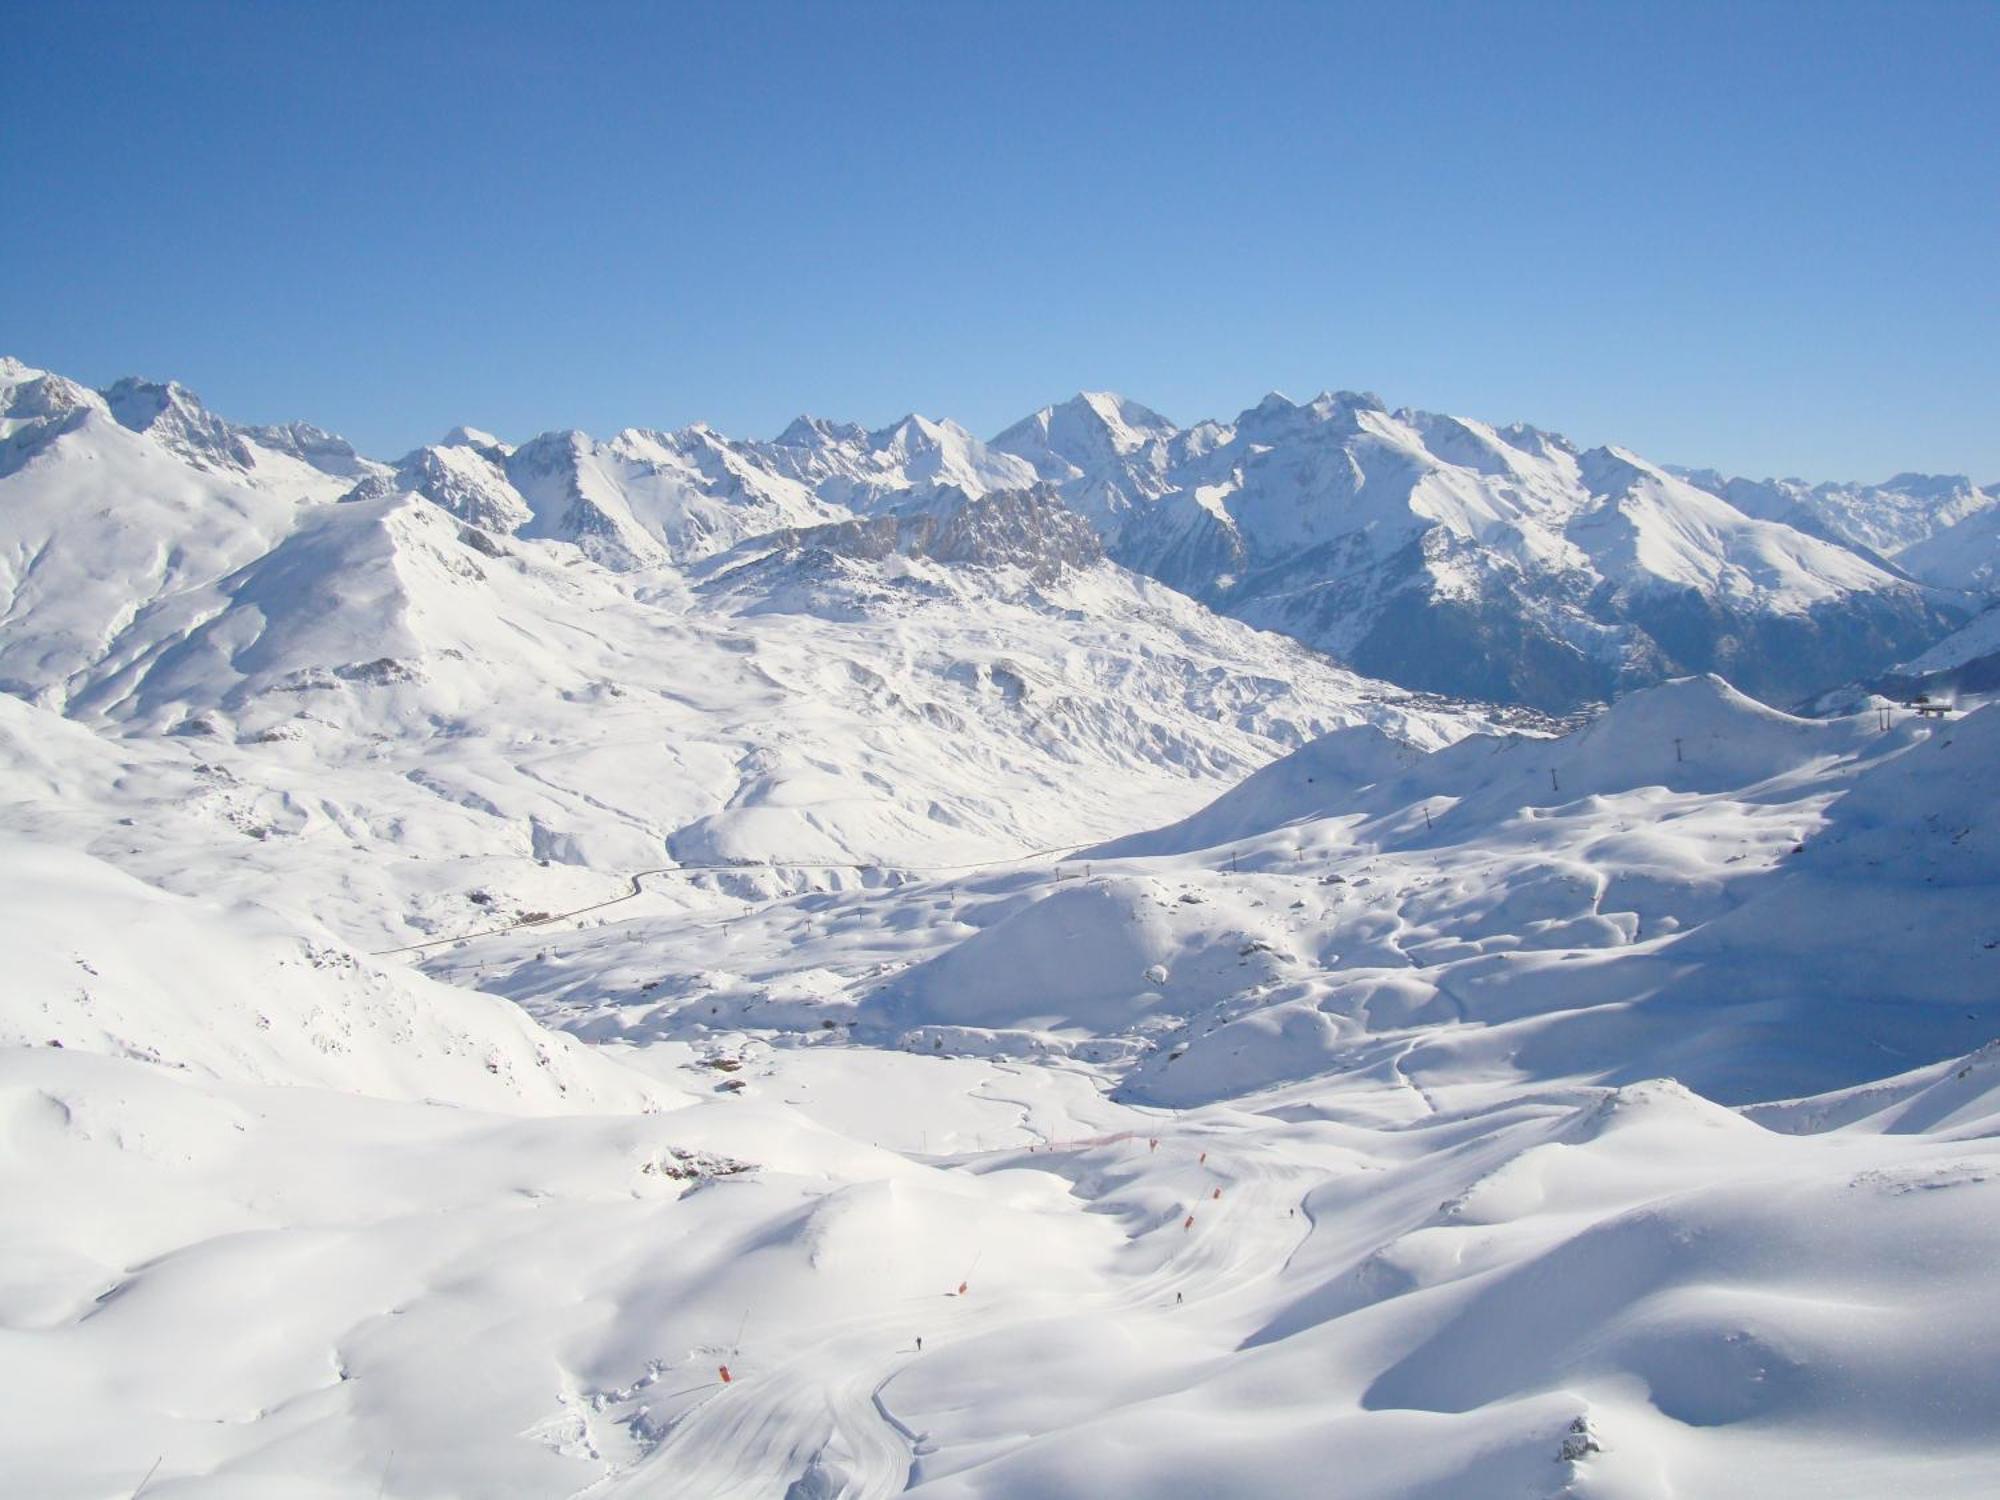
1756	236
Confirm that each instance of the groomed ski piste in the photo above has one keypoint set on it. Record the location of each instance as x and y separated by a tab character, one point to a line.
1611	1115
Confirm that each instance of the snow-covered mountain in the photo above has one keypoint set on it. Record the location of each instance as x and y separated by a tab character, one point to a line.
102	515
1897	519
1391	1137
863	470
1963	555
1449	554
1964	665
711	661
639	499
1441	553
675	966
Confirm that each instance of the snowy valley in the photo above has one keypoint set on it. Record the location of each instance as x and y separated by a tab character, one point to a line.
1345	951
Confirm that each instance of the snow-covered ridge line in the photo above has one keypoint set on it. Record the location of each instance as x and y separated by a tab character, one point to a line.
1439	552
1329	1127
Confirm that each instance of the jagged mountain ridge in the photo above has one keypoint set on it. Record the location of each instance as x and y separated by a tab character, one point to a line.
1906	519
1500	562
1399	1021
504	688
1438	552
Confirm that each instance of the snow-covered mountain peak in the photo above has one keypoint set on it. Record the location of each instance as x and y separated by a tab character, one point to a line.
138	403
914	434
328	452
35	398
1611	471
1929	486
1464	443
917	451
1093	435
1132	423
1097	439
306	461
552	449
469	481
1329	404
807	431
472	437
1279	420
1534	440
1275	410
175	416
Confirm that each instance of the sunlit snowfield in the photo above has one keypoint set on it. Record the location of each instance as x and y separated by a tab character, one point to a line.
1076	1045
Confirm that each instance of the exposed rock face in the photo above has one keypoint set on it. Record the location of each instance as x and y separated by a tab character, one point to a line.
1029	529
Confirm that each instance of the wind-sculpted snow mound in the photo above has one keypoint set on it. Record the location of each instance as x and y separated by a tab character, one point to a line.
1692	737
1959	1098
1702	1298
1924	817
1649	895
1695	735
1312	781
1096	956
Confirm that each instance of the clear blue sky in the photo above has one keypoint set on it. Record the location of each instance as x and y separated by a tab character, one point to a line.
1763	237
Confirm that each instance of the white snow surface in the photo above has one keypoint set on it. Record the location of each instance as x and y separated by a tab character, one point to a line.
1039	1037
1894	519
1980	637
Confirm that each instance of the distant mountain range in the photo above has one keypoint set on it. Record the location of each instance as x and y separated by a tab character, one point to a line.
1436	552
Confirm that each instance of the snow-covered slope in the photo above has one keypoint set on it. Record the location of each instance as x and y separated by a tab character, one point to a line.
1450	554
508	712
104	964
1975	641
1394	1152
97	522
1888	519
1443	553
1963	668
810	1081
1963	555
1648	895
